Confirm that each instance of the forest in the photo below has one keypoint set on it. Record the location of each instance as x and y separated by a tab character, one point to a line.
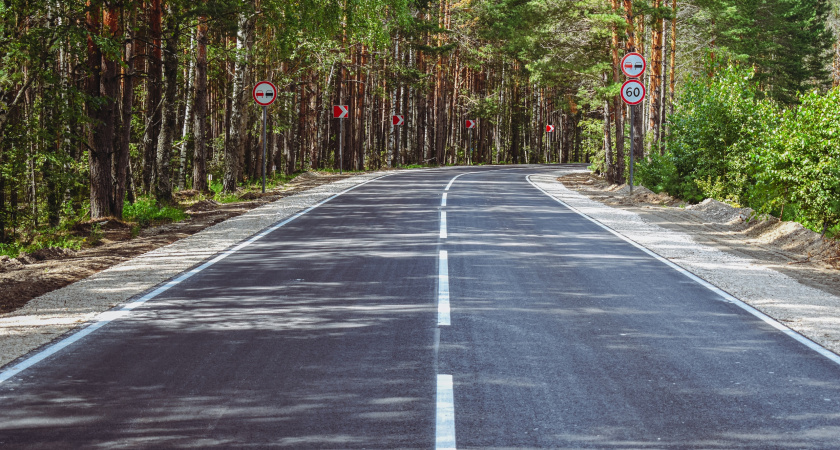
112	107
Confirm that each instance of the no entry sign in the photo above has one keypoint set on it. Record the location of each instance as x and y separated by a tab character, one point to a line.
340	111
397	120
633	65
632	92
470	124
264	93
549	128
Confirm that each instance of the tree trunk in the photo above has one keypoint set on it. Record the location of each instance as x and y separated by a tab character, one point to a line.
234	148
153	96
163	178
123	156
200	126
186	130
655	76
103	86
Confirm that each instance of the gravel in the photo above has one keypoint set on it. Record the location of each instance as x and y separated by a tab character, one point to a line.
808	311
49	316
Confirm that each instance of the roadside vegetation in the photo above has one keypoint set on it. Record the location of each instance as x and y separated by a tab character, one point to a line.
729	141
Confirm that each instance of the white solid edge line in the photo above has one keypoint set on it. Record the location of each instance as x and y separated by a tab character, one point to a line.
108	316
443	224
725	295
445	414
443	288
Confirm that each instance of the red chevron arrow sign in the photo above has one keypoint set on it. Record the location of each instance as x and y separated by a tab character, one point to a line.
397	120
341	111
549	128
470	124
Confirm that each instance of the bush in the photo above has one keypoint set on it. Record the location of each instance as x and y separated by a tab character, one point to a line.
146	211
800	163
717	125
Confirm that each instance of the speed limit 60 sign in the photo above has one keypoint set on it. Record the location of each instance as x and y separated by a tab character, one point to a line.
632	92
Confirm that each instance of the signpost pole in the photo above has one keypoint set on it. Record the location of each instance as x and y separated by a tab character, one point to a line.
469	153
397	147
265	117
341	146
632	142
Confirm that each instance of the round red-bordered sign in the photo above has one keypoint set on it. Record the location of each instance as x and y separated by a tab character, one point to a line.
632	92
633	64
265	92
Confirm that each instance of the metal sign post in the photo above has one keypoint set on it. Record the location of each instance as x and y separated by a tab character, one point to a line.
397	120
264	94
265	119
340	112
632	93
470	124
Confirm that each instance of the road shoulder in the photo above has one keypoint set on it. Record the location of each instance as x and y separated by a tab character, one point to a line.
812	310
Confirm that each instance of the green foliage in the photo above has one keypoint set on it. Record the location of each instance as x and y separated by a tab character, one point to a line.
785	40
52	238
728	143
799	163
717	123
146	211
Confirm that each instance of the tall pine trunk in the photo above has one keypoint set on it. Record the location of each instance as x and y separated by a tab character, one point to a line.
123	156
200	126
153	95
103	87
655	75
163	172
234	147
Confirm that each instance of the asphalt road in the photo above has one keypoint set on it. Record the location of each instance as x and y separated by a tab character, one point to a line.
332	332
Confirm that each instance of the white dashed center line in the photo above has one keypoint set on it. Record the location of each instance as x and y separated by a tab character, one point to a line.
445	415
443	289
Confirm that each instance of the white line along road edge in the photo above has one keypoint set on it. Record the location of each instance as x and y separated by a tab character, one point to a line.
113	314
725	295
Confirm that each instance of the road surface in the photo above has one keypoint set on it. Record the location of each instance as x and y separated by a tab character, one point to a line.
422	310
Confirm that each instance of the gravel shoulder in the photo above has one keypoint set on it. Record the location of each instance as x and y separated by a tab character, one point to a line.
779	268
125	276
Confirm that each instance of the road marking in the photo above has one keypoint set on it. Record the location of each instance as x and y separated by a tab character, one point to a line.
443	289
445	414
443	200
725	295
453	180
111	315
443	224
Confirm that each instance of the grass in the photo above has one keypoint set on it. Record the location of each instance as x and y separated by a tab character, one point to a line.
52	237
146	211
254	185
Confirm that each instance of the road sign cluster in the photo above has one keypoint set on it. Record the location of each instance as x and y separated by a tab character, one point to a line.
633	65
